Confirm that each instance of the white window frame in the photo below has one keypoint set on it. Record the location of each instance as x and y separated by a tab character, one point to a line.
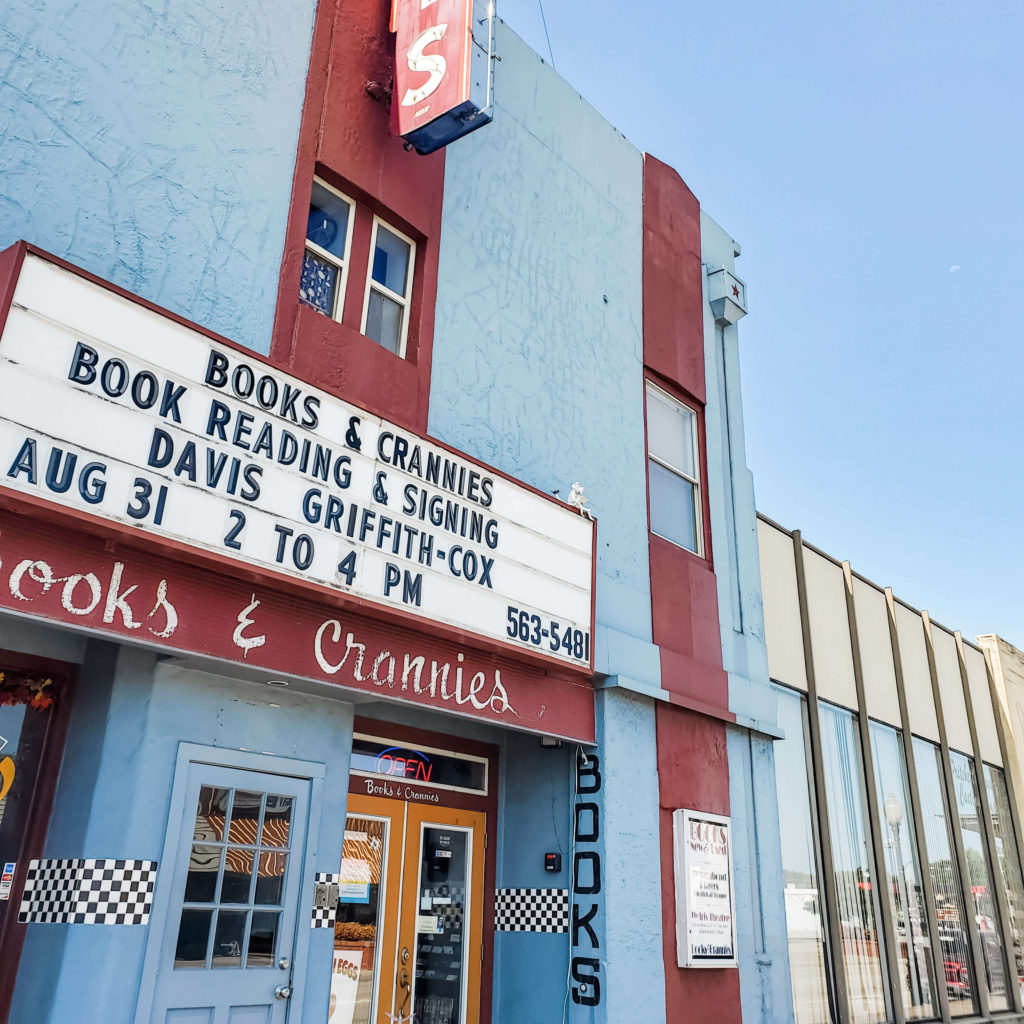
698	504
371	285
343	263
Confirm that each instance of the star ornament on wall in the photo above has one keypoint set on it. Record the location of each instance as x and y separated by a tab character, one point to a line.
735	291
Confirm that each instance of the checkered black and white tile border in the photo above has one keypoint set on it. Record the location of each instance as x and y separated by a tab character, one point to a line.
323	917
531	910
88	892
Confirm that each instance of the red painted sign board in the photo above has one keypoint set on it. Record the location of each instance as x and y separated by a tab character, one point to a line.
86	582
432	71
437	96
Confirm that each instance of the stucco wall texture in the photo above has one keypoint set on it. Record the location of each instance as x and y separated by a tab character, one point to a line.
538	324
153	144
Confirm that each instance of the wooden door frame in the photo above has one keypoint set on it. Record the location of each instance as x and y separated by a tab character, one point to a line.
268	764
488	803
12	933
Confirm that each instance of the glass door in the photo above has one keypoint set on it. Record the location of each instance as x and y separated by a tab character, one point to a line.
366	920
407	930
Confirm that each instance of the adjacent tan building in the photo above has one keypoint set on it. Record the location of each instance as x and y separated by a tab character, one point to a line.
899	821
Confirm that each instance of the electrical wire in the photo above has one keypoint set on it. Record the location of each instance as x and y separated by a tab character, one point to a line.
544	22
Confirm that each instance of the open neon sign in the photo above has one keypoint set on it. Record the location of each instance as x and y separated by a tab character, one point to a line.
406	764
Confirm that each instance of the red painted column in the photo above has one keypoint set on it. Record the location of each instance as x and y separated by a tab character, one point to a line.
693	764
346	138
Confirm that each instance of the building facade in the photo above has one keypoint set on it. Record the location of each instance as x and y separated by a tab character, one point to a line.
326	695
899	818
1006	664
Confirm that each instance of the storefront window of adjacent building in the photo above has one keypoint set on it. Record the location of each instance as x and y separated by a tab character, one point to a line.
805	908
985	909
326	257
856	879
672	469
903	875
1008	860
954	942
388	286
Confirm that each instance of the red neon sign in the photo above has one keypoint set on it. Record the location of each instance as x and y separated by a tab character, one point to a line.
407	764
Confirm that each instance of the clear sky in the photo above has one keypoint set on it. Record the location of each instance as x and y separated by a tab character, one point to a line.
869	159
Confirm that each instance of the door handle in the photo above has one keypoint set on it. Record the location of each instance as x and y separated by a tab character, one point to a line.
403	982
282	992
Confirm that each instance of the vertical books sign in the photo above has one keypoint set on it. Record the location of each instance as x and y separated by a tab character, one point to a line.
705	906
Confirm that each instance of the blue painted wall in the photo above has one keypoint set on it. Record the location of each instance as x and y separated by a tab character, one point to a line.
113	797
760	909
633	985
538	352
154	144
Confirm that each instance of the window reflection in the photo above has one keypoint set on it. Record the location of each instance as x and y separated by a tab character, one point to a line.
985	910
856	880
1008	860
954	942
358	920
903	875
805	910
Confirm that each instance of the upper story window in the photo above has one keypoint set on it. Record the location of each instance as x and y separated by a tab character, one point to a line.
329	267
673	470
388	286
328	247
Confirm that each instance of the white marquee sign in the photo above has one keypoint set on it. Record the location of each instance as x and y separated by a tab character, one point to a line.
112	409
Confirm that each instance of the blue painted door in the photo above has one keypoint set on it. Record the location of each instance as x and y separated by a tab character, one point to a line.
229	934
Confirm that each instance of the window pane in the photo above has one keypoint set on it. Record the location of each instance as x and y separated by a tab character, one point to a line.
327	226
193	935
262	939
670	432
277	821
440	954
949	903
1009	862
986	911
245	818
318	283
237	875
201	882
227	942
384	321
673	511
903	875
210	814
805	924
856	879
358	919
390	260
270	878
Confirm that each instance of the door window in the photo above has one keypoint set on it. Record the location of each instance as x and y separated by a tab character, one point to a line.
357	927
440	957
235	881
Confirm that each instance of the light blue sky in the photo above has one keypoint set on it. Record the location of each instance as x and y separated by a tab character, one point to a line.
869	158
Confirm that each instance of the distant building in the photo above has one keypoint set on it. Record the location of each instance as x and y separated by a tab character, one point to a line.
900	823
1006	664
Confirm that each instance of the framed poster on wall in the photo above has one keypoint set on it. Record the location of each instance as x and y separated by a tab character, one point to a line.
705	903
